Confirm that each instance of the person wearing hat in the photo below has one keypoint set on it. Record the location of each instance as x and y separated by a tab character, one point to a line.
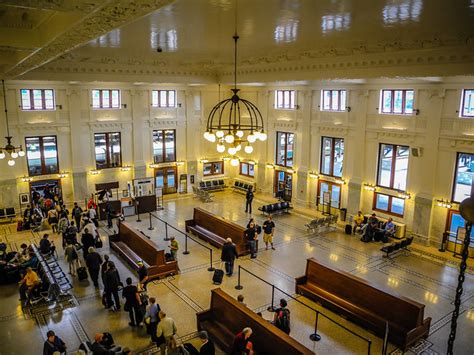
142	274
228	255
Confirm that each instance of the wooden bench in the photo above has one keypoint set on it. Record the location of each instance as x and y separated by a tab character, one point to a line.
215	230
364	303
132	246
226	317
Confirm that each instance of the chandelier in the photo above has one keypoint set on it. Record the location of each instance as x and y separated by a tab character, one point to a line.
235	123
9	148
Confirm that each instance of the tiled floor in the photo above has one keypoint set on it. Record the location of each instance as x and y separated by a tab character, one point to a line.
424	275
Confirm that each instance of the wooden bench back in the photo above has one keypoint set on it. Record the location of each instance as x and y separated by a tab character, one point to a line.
142	246
266	338
218	225
385	303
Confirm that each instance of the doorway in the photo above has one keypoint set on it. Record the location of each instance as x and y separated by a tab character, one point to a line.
166	178
45	189
283	184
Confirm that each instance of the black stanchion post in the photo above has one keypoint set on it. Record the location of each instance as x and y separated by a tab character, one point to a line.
150	228
137	206
238	286
186	251
272	308
315	336
368	348
210	268
166	232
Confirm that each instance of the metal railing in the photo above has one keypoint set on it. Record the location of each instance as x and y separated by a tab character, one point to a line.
314	336
186	237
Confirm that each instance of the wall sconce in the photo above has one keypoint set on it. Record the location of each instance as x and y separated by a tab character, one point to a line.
443	203
26	179
313	175
270	166
340	181
180	163
226	158
348	109
416	111
153	165
404	195
59	107
126	168
94	172
251	162
204	161
124	105
290	171
63	174
179	104
369	187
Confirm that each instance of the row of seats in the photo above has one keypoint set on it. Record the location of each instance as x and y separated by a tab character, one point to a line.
7	214
243	186
203	195
321	222
402	245
275	208
212	185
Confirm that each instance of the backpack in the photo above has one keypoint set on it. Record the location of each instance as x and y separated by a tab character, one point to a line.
283	320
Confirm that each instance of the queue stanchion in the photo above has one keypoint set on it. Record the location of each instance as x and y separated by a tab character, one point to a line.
137	207
315	336
238	286
210	268
186	251
150	228
272	308
166	232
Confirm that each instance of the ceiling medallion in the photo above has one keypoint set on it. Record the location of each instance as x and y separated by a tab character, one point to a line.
235	123
9	148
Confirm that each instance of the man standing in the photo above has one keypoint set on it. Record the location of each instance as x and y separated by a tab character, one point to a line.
77	214
167	328
252	236
152	312
228	255
93	262
87	241
132	303
142	275
111	285
268	229
207	347
248	200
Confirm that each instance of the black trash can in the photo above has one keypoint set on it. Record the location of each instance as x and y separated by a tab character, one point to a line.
342	214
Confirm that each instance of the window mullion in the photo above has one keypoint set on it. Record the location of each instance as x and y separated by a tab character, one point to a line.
163	134
43	162
404	92
394	159
32	101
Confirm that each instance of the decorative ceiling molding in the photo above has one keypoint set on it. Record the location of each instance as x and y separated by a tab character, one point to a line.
83	6
110	15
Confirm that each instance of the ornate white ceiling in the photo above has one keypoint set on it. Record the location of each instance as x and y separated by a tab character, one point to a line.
279	39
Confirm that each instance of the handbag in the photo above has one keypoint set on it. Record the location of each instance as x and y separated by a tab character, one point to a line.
98	242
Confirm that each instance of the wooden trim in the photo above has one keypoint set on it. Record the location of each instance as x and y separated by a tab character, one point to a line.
333	154
389	211
393	164
101	99
213	170
42	158
456	166
463	98
43	100
285	158
107	148
339	106
392	101
164	146
331	184
248	169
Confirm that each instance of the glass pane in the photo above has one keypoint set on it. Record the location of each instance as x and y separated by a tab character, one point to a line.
335	100
33	155
25	99
292	99
386	101
289	150
172	98
342	100
50	152
286	99
154	98
401	168
335	196
326	156
49	99
105	98
162	98
218	168
37	100
170	179
385	165
158	146
326	100
100	151
207	169
468	103
244	168
464	175
323	187
280	154
170	145
95	98
398	101
409	101
251	170
381	202
398	205
114	150
115	98
338	156
456	222
159	179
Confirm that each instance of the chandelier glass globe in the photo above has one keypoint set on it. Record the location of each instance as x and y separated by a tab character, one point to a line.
14	155
21	153
239	134
2	155
234	162
211	137
219	134
238	147
251	138
229	138
206	135
232	150
263	136
221	148
248	149
11	162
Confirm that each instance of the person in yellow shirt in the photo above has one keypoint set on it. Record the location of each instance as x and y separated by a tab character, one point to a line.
358	221
28	283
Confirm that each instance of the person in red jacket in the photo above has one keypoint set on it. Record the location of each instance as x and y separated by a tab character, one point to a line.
242	344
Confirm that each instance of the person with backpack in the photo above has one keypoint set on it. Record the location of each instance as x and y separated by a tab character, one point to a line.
77	214
71	234
281	318
71	257
63	225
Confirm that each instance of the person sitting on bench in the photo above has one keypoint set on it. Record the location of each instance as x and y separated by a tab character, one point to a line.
358	221
370	228
28	284
389	228
45	246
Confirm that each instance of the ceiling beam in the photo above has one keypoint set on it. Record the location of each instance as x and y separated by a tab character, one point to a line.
109	16
82	6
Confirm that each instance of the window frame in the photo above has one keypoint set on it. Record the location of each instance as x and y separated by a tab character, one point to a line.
101	99
389	210
155	161
393	164
456	166
340	108
286	149
159	103
248	169
281	105
213	170
42	158
330	183
463	99
333	152
43	100
107	148
392	102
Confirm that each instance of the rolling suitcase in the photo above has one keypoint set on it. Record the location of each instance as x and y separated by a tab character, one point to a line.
348	229
82	273
218	276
